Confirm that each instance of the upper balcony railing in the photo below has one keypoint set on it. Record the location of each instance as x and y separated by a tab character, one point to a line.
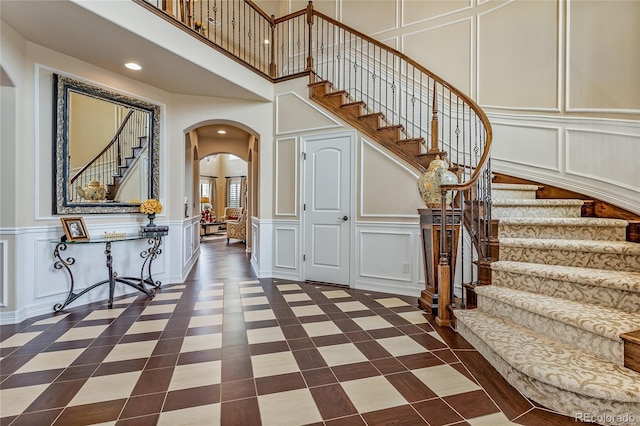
441	118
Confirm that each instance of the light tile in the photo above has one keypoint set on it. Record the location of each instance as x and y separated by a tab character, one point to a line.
323	328
14	401
414	317
135	350
127	301
177	287
276	409
249	282
195	375
251	290
351	306
209	304
50	360
211	292
252	301
495	419
201	342
52	320
205	320
200	415
264	335
106	388
401	345
372	393
81	333
263	315
346	353
19	339
445	380
273	364
158	309
147	326
372	323
392	302
336	294
288	287
104	314
296	297
307	311
167	296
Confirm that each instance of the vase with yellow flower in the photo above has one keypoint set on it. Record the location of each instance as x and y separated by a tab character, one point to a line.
151	207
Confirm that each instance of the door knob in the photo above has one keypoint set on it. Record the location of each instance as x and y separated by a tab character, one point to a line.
345	218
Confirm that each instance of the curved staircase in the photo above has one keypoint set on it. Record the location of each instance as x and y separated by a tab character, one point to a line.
564	289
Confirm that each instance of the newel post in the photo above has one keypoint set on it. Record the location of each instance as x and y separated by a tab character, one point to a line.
434	123
310	24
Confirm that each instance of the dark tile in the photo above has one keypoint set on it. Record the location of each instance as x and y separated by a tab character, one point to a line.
334	339
279	383
294	331
87	414
168	346
57	395
121	367
72	344
140	337
37	418
372	350
143	405
261	324
403	415
358	336
304	343
428	341
204	330
409	386
347	325
319	377
332	401
153	381
415	361
235	338
200	356
192	397
359	370
448	356
388	365
79	372
437	412
385	332
234	369
151	420
543	417
161	361
410	329
12	363
313	318
268	348
308	359
93	355
238	390
32	378
346	421
240	412
472	404
235	351
510	401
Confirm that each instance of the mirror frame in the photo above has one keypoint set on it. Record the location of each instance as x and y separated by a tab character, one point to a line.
62	86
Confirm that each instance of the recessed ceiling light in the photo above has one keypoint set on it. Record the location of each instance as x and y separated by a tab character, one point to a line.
133	66
222	132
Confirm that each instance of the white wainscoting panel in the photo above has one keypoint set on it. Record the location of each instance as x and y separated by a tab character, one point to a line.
388	257
605	156
536	146
4	273
286	250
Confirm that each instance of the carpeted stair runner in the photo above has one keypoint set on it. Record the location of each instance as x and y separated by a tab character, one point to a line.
563	291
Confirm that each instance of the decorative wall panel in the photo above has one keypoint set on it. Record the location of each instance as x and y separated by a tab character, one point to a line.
4	273
383	16
295	114
530	145
286	177
518	56
418	11
608	157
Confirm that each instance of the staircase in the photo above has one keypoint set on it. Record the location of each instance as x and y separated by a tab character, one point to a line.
564	289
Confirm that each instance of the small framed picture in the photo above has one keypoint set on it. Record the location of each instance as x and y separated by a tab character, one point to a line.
74	228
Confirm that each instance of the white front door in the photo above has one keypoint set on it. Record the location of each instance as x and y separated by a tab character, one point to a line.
327	208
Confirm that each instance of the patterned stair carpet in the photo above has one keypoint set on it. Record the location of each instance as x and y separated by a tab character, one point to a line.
564	289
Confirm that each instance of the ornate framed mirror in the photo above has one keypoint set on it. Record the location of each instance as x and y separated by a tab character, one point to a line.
106	149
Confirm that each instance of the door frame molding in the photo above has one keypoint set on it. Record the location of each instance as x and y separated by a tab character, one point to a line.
353	137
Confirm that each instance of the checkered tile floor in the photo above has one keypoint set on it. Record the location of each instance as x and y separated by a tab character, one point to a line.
245	353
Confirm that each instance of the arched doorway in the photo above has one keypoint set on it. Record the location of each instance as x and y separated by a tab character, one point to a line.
217	138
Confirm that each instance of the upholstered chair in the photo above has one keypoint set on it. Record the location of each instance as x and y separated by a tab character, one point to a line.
235	219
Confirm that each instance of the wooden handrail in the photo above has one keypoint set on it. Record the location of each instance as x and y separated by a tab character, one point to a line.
260	11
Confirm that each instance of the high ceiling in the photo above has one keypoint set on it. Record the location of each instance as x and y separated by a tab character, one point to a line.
65	27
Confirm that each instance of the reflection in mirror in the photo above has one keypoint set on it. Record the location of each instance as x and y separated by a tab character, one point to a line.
106	149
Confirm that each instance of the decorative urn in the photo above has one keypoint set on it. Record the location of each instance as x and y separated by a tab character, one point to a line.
429	183
92	191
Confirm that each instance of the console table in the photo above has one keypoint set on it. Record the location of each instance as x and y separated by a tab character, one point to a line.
139	283
209	228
